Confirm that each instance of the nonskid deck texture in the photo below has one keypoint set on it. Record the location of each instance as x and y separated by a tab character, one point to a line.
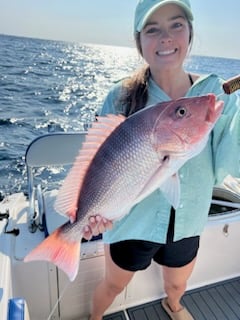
219	301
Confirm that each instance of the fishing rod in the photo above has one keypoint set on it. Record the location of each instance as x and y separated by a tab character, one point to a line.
231	85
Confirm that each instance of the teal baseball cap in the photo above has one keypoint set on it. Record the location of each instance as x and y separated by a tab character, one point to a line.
145	8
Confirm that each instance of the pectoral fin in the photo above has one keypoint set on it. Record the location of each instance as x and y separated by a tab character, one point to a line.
155	181
171	190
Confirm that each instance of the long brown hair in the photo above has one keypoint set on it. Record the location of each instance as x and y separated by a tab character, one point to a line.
135	88
135	91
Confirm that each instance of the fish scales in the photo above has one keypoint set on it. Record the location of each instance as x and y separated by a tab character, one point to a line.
124	162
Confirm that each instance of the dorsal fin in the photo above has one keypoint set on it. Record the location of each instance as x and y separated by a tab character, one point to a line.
67	198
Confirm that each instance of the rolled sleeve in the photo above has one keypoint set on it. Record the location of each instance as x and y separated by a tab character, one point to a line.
112	103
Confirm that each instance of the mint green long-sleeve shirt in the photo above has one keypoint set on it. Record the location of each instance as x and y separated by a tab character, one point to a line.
149	219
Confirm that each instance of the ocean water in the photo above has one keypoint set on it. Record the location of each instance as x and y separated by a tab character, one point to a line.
51	85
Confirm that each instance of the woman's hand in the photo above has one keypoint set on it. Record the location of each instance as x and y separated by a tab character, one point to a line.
97	224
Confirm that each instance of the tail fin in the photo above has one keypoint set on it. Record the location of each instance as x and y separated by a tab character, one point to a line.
56	249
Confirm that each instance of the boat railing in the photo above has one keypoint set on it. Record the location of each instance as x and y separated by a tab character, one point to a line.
53	149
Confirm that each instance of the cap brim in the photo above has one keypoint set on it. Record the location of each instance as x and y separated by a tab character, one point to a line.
185	8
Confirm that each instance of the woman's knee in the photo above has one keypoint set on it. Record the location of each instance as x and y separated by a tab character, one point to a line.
174	285
176	278
114	288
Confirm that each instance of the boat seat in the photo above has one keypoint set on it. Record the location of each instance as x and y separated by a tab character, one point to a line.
50	150
17	309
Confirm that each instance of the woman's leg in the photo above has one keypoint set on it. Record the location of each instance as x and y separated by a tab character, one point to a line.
175	283
114	282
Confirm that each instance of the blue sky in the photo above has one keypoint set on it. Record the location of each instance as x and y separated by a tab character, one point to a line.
110	22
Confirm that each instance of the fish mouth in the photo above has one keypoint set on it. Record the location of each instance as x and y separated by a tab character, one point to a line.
166	52
215	111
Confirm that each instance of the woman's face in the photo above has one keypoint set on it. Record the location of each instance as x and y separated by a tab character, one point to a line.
165	38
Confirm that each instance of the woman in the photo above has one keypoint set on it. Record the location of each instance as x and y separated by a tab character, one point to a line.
164	34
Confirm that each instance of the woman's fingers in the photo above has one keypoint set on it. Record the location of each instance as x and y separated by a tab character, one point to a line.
96	226
87	233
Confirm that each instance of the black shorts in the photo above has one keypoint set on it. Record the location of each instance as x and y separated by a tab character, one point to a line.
134	255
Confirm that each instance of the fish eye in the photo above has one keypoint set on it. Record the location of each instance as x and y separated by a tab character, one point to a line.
181	112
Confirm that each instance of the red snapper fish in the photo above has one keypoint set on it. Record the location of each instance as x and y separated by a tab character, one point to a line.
122	161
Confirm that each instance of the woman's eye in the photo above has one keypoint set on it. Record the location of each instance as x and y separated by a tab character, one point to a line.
177	26
152	30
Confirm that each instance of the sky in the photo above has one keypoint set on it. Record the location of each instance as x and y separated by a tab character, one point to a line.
110	22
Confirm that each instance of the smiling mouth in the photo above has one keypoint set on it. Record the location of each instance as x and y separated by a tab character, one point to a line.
166	53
